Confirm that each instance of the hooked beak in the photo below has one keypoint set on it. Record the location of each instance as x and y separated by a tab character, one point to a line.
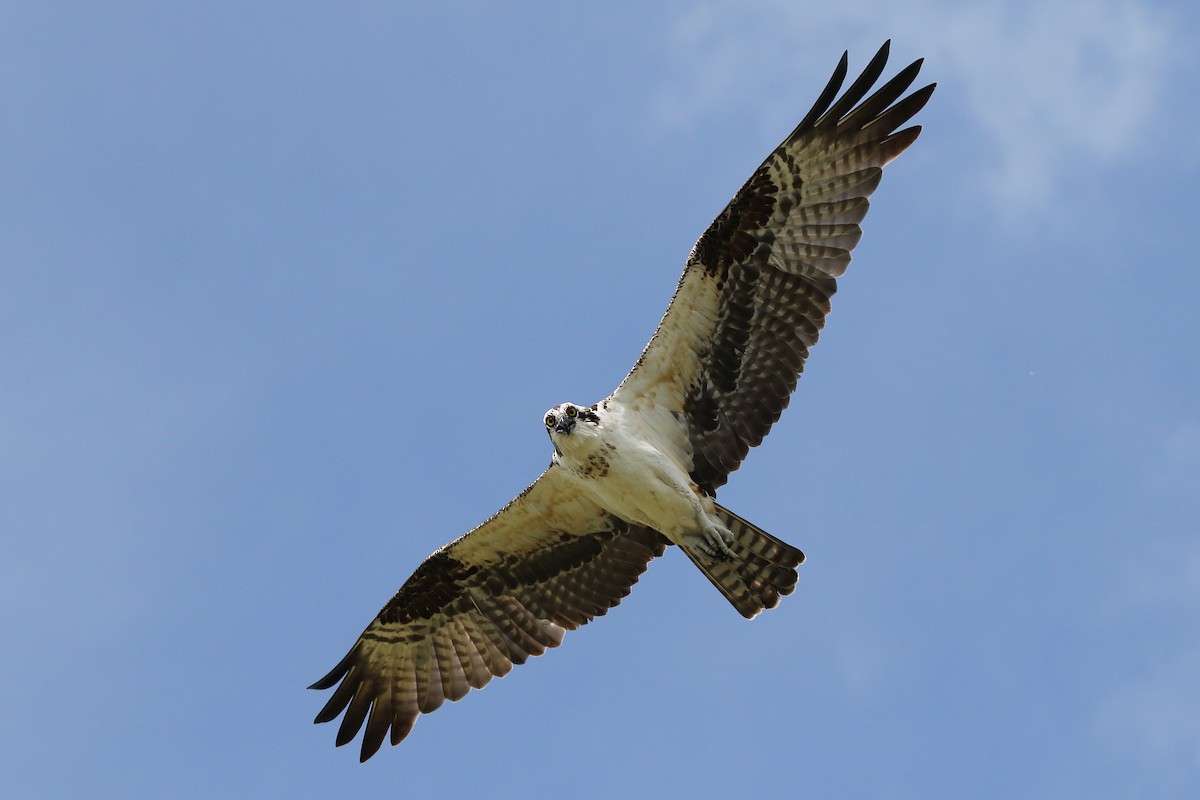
565	424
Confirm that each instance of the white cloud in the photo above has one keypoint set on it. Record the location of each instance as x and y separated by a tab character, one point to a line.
1052	86
1064	83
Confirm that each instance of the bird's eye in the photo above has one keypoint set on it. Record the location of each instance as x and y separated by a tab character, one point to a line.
549	420
571	411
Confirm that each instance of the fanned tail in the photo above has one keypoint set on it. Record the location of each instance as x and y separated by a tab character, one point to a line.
762	571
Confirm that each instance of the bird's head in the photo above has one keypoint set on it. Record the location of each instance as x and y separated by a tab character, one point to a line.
565	418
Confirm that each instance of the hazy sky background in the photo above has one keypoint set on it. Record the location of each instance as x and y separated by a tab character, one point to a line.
286	289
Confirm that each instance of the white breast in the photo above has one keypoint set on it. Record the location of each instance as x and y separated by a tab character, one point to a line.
619	465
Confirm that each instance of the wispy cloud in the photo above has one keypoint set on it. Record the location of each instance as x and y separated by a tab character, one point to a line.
1057	84
1049	85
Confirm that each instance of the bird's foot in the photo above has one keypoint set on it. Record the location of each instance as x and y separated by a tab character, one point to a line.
715	543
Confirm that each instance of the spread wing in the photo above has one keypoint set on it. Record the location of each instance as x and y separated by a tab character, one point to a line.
546	563
756	289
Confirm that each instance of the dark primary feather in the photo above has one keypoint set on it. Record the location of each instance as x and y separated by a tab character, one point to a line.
722	364
757	287
457	622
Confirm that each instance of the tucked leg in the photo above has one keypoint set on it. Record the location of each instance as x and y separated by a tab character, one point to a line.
714	542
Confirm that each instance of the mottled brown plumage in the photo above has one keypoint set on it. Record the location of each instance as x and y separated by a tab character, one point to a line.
714	378
771	258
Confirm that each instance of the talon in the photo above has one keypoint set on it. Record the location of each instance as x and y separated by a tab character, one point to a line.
714	543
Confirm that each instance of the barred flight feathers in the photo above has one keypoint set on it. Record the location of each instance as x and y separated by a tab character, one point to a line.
757	286
504	592
640	469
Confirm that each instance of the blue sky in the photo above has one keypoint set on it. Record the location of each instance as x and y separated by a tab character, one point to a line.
287	290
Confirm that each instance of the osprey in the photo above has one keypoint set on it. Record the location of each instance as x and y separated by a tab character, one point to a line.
640	469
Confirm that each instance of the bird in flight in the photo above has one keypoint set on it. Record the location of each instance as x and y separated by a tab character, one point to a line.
639	470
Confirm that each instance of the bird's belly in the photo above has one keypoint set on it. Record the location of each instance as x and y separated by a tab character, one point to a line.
641	485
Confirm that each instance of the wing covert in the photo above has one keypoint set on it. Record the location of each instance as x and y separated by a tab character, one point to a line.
757	286
548	562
